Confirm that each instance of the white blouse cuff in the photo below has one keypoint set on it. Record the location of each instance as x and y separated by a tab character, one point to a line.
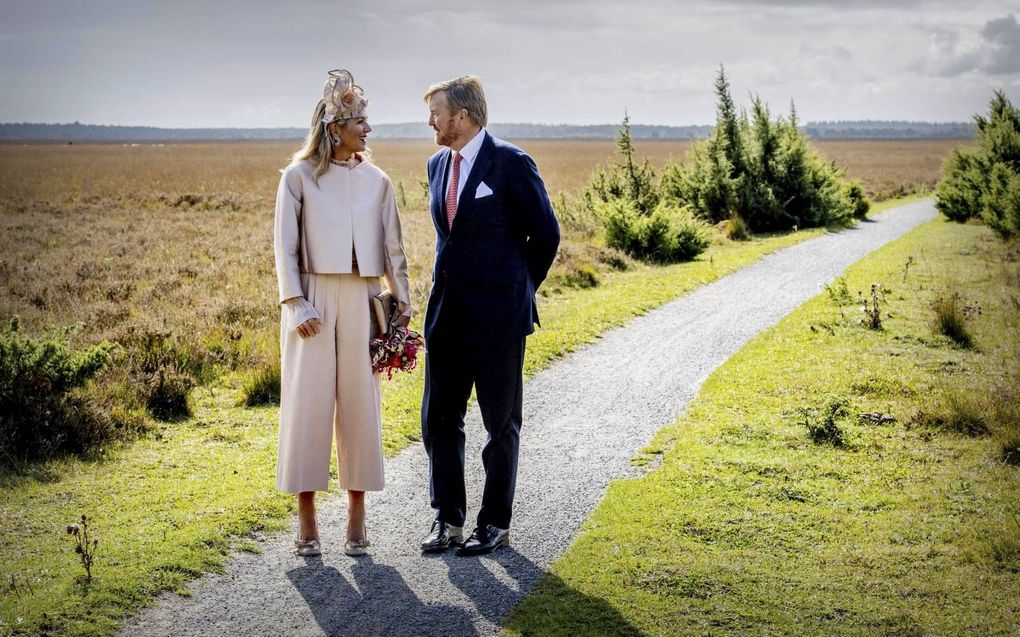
300	311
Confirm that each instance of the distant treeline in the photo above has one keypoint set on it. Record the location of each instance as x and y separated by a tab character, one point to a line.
820	130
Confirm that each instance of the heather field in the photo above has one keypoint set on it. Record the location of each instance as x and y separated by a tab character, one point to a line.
166	250
172	236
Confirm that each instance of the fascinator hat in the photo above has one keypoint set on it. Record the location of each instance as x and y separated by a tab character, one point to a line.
344	99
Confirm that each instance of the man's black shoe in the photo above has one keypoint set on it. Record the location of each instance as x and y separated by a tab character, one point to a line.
485	541
442	537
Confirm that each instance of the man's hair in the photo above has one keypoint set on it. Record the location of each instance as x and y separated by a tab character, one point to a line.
463	92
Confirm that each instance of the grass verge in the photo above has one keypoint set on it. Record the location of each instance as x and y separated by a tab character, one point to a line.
172	505
749	527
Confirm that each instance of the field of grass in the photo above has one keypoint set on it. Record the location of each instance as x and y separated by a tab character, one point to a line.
130	238
127	240
748	525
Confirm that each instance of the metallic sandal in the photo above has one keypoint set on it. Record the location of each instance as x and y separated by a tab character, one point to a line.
307	548
354	548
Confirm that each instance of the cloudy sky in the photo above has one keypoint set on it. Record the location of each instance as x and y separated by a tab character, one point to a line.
262	62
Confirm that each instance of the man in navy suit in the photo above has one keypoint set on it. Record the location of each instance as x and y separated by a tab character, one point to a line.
496	236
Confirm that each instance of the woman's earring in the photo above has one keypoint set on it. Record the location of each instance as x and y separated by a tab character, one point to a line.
333	137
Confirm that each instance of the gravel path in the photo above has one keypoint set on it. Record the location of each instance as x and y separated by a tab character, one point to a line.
584	417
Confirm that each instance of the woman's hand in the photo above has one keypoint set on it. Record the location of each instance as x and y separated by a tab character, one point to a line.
302	316
311	327
403	318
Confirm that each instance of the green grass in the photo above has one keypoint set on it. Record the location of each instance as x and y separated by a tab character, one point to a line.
166	509
748	527
172	505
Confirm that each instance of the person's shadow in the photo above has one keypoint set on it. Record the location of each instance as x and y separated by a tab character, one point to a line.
377	602
559	610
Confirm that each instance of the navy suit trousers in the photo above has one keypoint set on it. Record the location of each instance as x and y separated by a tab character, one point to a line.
453	365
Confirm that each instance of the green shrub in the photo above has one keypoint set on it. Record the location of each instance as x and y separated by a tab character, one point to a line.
735	228
167	393
985	181
958	194
762	169
823	424
859	204
1000	204
627	179
164	368
707	183
262	387
666	235
40	415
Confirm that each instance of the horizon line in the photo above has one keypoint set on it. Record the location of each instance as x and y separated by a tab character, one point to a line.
519	123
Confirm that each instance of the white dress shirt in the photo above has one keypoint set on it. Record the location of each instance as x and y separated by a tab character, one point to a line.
468	155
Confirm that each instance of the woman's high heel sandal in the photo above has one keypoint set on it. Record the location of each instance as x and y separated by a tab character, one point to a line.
354	548
307	548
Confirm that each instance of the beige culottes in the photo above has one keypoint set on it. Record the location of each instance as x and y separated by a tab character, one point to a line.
327	384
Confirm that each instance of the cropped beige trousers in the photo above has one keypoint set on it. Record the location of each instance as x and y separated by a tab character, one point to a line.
327	386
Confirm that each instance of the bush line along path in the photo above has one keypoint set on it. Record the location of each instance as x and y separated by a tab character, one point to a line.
585	417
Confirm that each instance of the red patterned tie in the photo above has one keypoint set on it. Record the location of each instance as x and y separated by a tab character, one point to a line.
451	192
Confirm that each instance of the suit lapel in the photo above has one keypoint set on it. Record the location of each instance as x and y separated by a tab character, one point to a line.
478	172
438	187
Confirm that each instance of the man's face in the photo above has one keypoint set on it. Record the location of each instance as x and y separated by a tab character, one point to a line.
442	121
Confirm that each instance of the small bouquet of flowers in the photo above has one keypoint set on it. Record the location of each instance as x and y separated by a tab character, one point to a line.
396	350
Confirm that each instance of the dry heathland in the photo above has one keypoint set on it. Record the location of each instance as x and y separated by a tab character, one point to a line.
170	247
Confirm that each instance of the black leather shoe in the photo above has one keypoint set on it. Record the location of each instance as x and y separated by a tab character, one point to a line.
442	537
485	541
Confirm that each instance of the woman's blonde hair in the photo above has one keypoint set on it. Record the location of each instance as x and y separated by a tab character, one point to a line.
318	144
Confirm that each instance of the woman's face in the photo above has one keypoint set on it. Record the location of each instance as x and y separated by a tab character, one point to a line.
353	135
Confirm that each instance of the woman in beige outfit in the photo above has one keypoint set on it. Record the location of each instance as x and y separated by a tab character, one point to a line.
337	232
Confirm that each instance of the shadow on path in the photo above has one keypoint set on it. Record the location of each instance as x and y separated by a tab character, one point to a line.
363	603
364	606
498	582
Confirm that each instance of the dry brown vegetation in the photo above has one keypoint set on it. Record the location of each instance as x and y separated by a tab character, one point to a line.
139	239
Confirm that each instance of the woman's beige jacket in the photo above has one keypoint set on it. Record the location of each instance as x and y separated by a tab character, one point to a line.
319	227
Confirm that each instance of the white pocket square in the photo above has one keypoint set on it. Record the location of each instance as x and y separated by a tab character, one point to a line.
482	191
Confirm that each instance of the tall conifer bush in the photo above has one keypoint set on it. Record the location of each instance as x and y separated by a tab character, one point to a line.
985	182
626	199
760	169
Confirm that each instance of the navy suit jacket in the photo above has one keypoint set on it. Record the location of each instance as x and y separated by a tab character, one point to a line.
499	250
